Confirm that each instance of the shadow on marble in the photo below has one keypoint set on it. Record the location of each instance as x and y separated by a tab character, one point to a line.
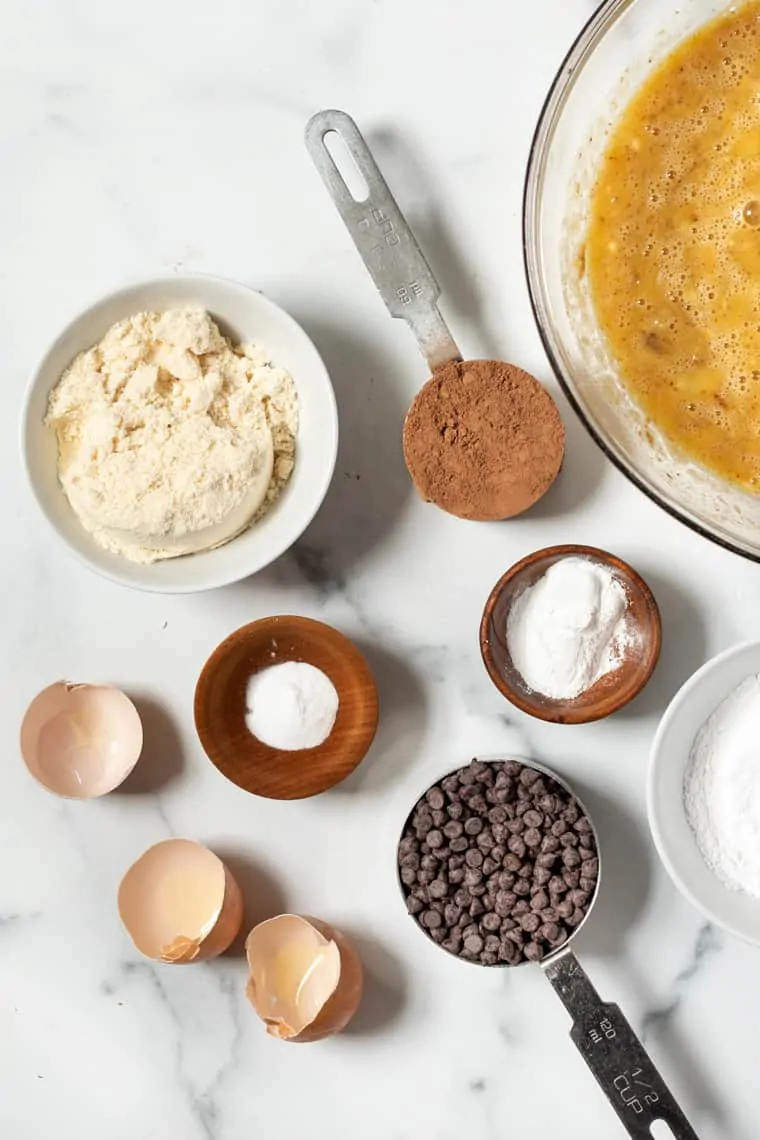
263	895
385	987
403	720
684	645
371	484
674	1053
162	761
627	864
400	160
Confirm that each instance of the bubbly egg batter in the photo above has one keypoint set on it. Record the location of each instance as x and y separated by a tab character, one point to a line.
673	248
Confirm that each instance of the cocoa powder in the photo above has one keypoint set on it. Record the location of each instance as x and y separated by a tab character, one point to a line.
483	440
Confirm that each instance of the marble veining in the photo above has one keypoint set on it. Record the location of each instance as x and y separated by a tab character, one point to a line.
140	139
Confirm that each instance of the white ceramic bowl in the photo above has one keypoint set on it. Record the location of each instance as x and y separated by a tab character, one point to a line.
244	315
690	708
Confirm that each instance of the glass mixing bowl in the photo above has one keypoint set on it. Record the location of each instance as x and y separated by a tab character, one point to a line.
619	46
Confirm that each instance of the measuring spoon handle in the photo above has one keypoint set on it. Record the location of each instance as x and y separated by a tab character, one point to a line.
383	238
614	1054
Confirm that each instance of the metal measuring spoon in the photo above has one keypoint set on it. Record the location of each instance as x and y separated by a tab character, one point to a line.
602	1035
483	439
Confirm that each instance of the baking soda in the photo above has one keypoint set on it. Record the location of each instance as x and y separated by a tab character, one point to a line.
291	706
569	629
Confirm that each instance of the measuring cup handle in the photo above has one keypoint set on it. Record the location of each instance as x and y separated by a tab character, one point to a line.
383	238
614	1054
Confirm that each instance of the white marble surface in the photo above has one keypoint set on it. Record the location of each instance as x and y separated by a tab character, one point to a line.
141	137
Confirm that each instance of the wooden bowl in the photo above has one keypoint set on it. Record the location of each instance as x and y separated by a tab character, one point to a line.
220	708
612	691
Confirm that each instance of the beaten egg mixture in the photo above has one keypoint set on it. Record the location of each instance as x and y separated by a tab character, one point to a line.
673	248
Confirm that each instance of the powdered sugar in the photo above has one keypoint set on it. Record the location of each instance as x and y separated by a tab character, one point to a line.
569	629
722	789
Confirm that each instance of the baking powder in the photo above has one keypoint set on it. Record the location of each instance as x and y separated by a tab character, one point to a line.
722	789
291	706
569	629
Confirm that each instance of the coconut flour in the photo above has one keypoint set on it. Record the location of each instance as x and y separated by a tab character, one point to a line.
171	440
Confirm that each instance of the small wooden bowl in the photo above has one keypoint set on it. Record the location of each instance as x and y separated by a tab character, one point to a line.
612	691
220	708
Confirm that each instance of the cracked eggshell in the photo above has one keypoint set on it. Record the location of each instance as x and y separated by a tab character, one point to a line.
81	741
179	903
306	979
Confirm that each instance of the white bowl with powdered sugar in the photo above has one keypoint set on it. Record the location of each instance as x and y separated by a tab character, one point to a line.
269	341
703	790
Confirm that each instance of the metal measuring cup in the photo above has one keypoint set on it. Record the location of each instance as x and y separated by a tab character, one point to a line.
602	1035
406	284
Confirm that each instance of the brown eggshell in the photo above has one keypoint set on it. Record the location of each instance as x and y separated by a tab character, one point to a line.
342	1003
179	903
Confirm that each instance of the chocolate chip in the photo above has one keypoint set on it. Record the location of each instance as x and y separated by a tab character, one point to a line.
588	885
473	826
533	818
532	837
539	900
439	889
559	828
569	839
414	905
533	952
474	858
521	887
452	914
436	798
589	868
541	876
509	952
497	815
431	919
408	876
530	922
455	811
511	862
517	847
453	829
504	902
473	876
456	875
491	921
473	944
